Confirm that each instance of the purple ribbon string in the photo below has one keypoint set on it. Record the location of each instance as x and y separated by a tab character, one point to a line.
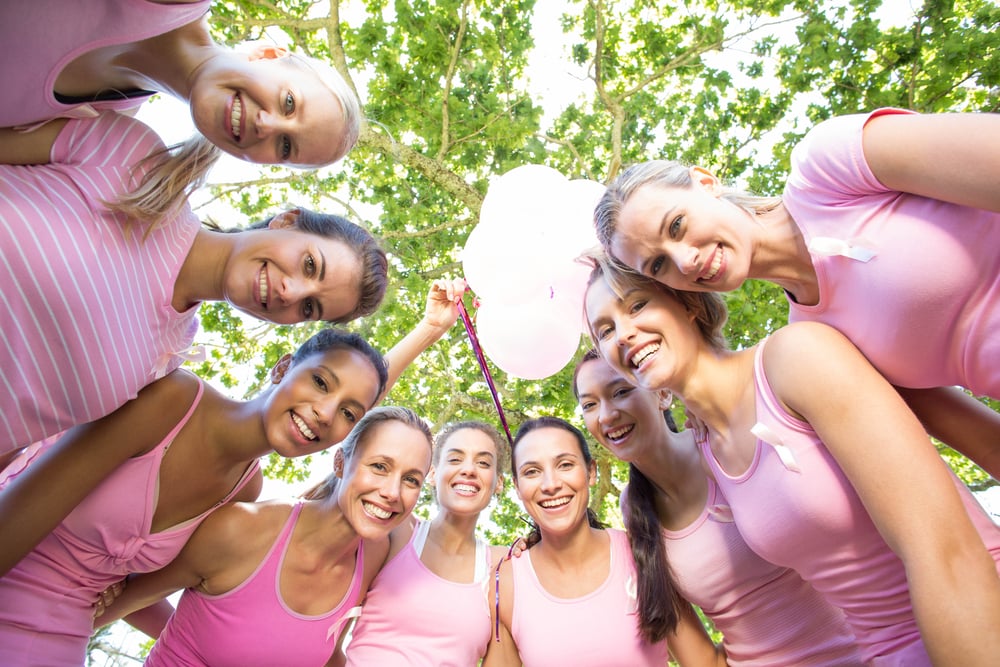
478	350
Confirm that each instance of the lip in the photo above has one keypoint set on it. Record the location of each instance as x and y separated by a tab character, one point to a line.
301	437
378	519
558	508
719	253
634	350
463	493
262	275
622	439
227	119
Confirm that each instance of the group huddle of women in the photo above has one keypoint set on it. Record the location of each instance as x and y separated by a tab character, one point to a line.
806	513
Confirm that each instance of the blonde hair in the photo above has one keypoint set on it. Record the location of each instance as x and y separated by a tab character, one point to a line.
330	77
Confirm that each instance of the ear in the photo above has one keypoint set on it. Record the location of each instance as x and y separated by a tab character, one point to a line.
498	491
284	220
338	463
592	475
280	368
666	398
264	51
431	477
706	180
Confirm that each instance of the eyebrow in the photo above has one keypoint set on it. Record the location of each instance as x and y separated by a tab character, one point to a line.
299	102
322	276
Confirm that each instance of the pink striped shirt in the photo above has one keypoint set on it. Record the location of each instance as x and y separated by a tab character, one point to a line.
89	320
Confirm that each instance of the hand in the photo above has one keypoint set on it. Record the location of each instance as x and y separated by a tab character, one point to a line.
441	311
107	596
517	549
692	423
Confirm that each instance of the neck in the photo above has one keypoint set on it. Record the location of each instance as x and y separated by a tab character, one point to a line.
169	62
718	389
324	530
570	549
201	277
781	256
238	433
671	463
453	533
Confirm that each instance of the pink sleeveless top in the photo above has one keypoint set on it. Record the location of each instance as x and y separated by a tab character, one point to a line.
595	630
767	614
41	37
411	616
795	507
45	601
251	625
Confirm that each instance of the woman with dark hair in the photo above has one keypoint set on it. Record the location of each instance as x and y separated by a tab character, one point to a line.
686	546
273	583
100	305
814	451
570	598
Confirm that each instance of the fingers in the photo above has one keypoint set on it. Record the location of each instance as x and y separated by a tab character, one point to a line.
452	288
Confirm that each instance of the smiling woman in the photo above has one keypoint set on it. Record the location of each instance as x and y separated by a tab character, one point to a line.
81	279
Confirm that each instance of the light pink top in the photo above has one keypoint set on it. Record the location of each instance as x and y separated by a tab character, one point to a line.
252	625
925	309
411	616
767	614
804	514
87	317
595	630
41	37
46	613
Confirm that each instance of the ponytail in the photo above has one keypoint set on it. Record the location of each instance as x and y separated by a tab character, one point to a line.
656	592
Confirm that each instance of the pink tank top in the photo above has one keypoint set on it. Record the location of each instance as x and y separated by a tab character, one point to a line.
411	616
767	614
795	507
45	601
251	624
597	629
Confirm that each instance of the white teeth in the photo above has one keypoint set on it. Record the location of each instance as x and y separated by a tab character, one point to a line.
617	434
716	265
558	502
236	115
465	488
303	428
644	353
262	286
376	511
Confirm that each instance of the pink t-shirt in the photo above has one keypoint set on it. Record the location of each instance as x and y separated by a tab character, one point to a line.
768	616
88	320
41	37
46	613
595	630
795	507
412	617
925	309
252	625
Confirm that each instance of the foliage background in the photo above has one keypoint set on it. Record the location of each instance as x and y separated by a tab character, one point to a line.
454	94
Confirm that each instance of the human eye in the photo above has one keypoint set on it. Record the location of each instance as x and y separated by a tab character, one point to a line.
308	308
529	472
413	481
285	148
289	104
319	382
675	226
637	305
604	332
485	464
378	466
310	265
351	417
454	460
622	391
587	405
565	464
656	265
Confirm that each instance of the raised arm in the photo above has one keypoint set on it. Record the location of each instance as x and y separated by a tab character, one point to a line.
33	147
959	421
954	157
440	314
37	499
903	483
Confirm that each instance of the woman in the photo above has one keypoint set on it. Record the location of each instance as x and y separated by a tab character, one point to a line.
266	105
99	307
134	486
272	583
810	489
686	544
438	570
886	230
570	598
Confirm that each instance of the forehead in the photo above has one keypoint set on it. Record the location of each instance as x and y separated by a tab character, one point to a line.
341	288
640	217
594	375
469	440
406	445
320	113
600	299
546	443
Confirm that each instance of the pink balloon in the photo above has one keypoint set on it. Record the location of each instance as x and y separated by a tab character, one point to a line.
500	266
532	340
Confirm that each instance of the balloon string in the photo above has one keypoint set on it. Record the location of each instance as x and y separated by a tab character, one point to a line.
478	350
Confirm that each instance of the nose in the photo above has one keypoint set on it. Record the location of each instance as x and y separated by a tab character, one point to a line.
467	468
325	410
290	290
607	413
390	489
685	257
550	481
268	124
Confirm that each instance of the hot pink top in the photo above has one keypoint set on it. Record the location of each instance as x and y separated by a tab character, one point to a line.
88	320
46	613
767	614
925	308
251	625
41	37
804	514
411	616
598	629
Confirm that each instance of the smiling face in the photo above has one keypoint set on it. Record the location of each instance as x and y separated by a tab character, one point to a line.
647	335
317	401
466	474
687	238
381	480
269	108
287	276
553	479
625	419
